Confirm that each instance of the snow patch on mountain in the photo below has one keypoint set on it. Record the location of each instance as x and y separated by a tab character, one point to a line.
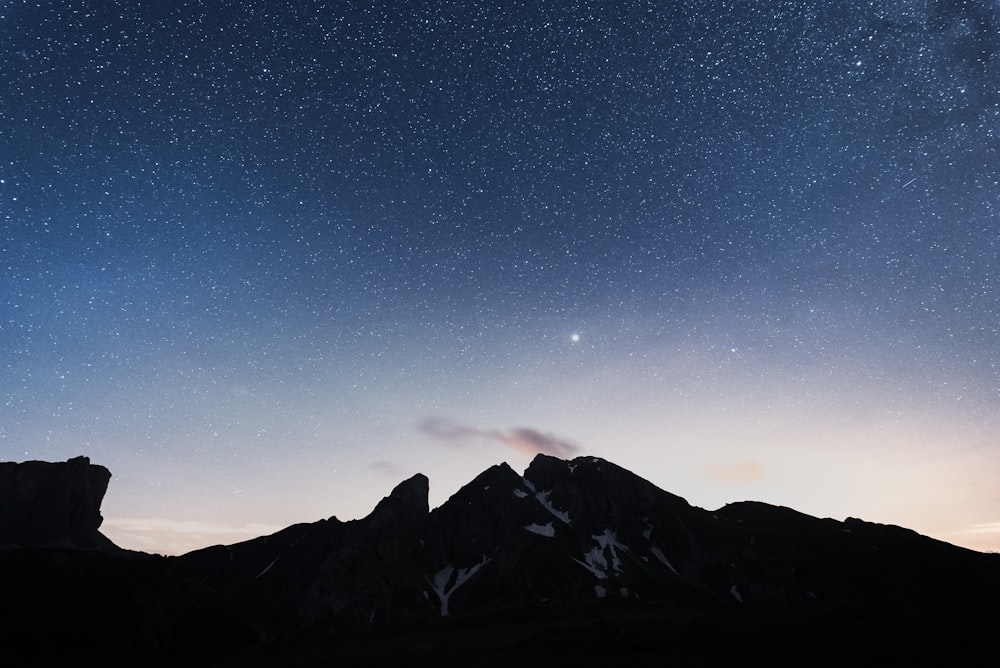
546	529
266	569
594	561
543	498
604	556
609	542
658	553
448	580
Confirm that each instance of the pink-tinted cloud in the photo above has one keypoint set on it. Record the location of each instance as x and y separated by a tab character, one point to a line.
449	432
522	439
534	442
745	471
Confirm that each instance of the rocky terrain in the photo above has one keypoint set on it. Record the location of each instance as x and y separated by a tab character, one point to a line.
576	557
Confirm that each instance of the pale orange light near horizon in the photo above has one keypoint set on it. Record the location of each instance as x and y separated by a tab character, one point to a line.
897	484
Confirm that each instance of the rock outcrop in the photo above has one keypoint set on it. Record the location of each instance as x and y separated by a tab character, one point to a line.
52	504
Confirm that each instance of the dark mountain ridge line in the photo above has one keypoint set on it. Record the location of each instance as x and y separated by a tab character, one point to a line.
565	534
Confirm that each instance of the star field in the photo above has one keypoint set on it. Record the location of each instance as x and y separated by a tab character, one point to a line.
250	250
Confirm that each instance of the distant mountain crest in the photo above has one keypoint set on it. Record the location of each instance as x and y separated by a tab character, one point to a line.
574	532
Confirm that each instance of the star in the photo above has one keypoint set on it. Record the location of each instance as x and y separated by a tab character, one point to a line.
309	227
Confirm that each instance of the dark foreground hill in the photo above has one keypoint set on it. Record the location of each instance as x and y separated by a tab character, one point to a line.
579	561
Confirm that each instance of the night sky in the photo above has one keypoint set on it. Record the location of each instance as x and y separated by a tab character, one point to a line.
264	260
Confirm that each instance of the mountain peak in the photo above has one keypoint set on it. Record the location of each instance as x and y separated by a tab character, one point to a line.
408	499
495	474
567	531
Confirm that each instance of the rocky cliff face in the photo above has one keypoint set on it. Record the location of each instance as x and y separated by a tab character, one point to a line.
47	504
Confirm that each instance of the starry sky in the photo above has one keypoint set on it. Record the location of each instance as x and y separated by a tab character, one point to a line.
264	260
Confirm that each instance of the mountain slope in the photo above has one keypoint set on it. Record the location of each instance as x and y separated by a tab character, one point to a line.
568	531
566	536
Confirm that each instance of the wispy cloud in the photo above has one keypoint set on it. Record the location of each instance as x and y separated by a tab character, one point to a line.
522	439
386	468
745	471
449	432
987	528
531	441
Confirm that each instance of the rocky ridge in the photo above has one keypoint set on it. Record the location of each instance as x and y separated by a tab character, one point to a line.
565	533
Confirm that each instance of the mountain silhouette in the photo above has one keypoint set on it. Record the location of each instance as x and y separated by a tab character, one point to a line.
578	558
